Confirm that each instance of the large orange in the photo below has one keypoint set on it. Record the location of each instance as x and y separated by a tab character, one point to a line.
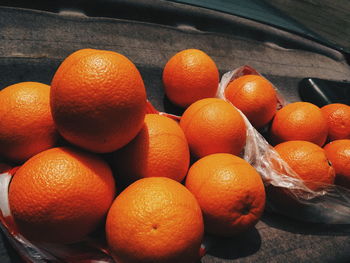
230	193
98	100
26	125
61	195
338	119
255	97
213	126
155	220
190	75
308	161
159	150
338	152
299	121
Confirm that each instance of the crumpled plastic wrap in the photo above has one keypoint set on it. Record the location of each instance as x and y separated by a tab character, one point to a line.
287	194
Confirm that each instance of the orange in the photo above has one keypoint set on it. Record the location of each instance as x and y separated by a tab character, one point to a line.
338	119
26	125
159	150
155	219
299	121
213	126
61	195
338	152
255	97
308	161
229	191
190	75
98	100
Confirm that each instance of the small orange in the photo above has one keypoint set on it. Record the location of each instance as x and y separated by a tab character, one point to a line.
299	121
26	125
308	161
338	152
190	75
98	100
255	97
61	195
230	193
213	126
159	150
155	219
338	119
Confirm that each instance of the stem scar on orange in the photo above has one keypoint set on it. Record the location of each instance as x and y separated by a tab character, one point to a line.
338	152
229	191
338	119
309	162
155	219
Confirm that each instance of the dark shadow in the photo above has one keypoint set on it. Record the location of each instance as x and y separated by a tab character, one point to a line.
152	77
322	92
169	107
7	253
128	162
323	215
61	142
239	246
306	228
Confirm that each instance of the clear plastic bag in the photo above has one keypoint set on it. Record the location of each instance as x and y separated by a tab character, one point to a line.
287	194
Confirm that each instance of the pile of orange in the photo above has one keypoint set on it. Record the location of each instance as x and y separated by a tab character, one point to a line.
97	104
300	129
154	205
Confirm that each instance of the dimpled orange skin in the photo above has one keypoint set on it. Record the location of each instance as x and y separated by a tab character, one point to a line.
229	191
338	152
338	119
308	161
155	220
190	75
255	97
61	195
159	150
98	100
213	126
299	121
26	125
